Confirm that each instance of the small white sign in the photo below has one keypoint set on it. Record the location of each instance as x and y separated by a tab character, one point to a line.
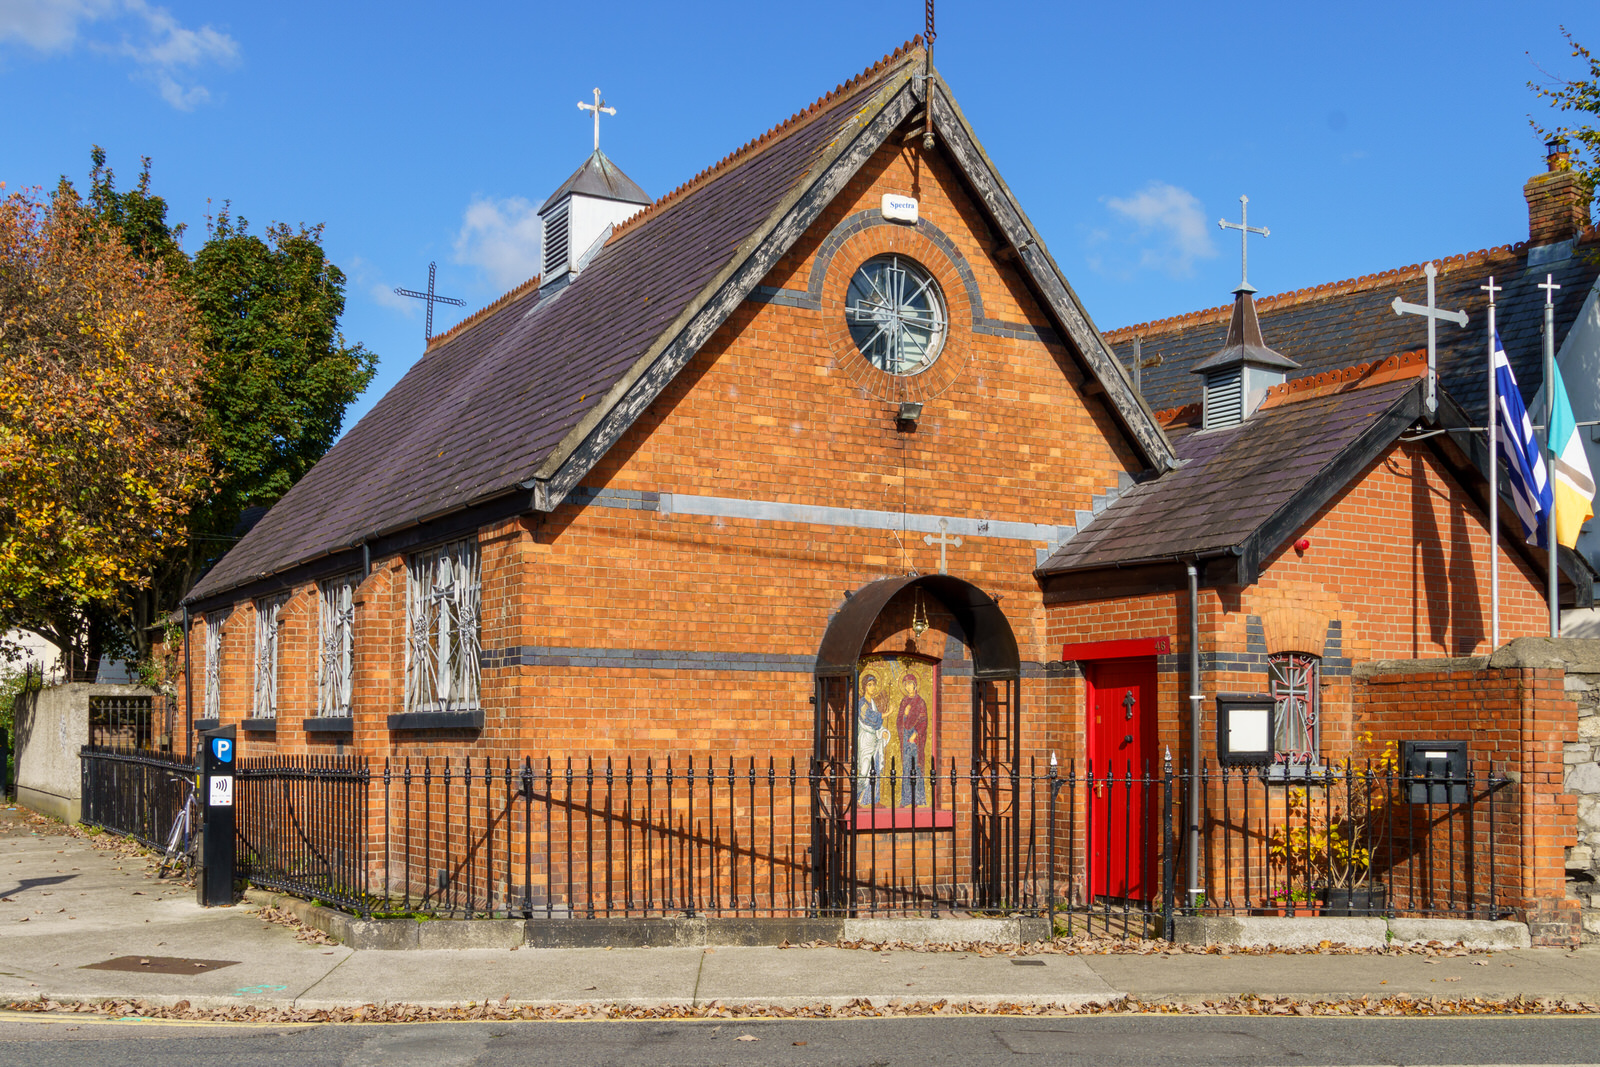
899	208
222	791
1247	730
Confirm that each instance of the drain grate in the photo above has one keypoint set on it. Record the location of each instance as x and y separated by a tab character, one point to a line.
159	965
1027	963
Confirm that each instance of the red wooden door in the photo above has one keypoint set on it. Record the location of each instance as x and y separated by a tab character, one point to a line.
1125	799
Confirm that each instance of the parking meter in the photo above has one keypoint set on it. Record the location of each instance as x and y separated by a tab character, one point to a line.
218	751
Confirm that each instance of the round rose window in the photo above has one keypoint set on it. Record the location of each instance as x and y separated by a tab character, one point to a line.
896	314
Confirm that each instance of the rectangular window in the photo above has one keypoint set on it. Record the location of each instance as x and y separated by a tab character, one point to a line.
213	691
442	597
1296	697
268	613
336	652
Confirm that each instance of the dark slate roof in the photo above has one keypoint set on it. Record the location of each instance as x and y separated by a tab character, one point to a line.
601	178
1343	324
519	401
1242	480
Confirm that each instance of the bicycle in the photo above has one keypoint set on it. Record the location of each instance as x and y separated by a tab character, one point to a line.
182	841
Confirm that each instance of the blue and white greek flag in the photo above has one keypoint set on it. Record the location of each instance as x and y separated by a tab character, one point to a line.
1530	484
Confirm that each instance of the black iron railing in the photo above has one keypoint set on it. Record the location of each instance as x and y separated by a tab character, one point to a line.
301	826
133	792
1102	850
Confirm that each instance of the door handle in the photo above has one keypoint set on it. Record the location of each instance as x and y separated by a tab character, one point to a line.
1127	739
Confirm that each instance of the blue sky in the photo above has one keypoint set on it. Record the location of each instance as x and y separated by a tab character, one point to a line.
1367	135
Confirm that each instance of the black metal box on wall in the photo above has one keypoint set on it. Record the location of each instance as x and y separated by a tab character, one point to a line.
1246	729
1435	772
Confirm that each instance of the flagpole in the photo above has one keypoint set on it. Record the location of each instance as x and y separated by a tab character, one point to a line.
1494	485
1549	451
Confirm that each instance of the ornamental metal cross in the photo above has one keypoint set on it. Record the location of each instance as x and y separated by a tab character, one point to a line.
597	107
942	539
1433	314
1245	230
432	298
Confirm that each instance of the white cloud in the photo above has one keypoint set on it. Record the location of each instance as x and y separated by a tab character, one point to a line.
1169	227
165	53
48	25
385	296
500	238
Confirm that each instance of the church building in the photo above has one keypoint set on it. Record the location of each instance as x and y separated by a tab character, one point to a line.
819	455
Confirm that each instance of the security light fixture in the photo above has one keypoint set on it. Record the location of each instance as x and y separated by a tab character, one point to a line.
910	411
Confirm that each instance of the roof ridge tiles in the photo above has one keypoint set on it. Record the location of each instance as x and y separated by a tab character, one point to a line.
790	125
531	285
1209	316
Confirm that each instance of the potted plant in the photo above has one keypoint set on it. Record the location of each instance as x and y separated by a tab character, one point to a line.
1298	900
1334	827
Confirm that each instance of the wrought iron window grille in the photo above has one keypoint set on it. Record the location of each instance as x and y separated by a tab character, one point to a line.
443	595
269	611
336	645
1294	679
214	623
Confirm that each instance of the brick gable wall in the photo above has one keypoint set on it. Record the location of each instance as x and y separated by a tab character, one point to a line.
620	624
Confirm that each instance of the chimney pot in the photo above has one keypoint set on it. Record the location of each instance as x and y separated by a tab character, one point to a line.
1556	154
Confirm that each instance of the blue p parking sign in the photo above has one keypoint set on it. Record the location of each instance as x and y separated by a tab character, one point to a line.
222	749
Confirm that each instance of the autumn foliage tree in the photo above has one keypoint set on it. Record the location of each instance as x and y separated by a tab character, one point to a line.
100	370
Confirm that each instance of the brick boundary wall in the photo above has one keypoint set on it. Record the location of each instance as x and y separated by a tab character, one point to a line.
1517	719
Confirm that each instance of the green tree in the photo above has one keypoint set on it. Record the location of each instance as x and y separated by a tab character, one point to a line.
1581	97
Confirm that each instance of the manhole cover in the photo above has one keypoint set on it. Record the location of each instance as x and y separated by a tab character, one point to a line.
159	965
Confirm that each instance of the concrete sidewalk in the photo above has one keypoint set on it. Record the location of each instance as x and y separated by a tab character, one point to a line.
66	905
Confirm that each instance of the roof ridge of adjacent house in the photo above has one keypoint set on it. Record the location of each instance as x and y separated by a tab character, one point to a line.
1210	316
779	132
1359	376
516	293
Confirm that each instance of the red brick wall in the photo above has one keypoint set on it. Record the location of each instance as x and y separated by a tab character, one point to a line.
1399	561
1516	721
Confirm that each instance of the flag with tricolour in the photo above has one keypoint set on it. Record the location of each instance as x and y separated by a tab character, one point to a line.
1573	482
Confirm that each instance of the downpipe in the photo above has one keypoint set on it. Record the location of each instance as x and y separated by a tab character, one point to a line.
1195	699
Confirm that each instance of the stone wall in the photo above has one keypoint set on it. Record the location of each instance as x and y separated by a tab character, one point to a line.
51	726
1580	658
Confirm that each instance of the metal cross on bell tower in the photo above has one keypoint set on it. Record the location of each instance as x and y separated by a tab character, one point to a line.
432	298
1245	230
597	107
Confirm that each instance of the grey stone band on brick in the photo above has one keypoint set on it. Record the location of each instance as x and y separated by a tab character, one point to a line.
668	659
859	518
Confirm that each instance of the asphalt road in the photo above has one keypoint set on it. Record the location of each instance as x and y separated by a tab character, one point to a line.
1106	1041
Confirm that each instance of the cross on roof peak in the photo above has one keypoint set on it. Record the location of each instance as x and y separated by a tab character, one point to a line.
1245	230
597	107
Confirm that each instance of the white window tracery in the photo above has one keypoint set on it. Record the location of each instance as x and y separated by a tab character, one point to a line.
336	645
443	589
269	611
213	692
1296	696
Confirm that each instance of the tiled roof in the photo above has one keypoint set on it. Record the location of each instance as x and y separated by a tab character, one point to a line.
490	400
1349	322
1236	480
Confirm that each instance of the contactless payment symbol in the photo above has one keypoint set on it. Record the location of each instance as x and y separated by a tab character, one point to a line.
222	748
